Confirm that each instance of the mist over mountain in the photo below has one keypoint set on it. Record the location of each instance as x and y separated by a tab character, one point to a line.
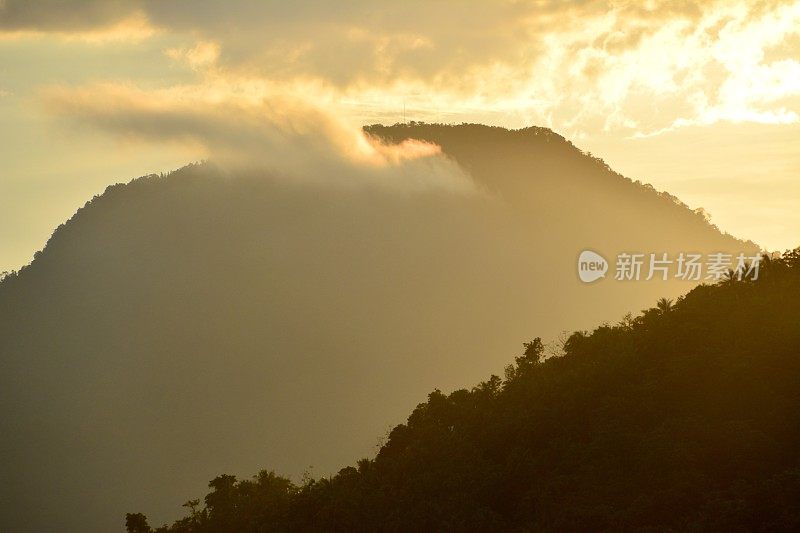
213	320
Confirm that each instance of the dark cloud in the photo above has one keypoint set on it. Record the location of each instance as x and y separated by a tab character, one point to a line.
58	15
339	41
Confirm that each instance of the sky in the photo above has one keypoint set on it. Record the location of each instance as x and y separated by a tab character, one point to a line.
701	99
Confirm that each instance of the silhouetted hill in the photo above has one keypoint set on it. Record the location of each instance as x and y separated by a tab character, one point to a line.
683	418
539	167
182	325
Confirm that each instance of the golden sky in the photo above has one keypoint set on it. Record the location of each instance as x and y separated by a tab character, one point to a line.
701	99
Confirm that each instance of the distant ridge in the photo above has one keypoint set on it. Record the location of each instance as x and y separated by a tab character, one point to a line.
183	325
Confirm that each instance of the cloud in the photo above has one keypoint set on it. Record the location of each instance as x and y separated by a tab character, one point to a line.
593	66
276	127
201	55
56	15
133	28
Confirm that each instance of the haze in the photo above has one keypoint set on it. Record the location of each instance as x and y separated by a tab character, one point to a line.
226	318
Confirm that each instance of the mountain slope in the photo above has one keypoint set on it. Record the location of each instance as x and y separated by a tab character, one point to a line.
682	419
199	322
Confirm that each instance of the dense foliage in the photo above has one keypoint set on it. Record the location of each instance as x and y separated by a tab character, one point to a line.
682	418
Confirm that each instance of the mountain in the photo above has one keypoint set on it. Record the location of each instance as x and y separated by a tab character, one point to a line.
213	320
683	418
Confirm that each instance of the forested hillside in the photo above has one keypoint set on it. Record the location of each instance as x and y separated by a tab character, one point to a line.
682	418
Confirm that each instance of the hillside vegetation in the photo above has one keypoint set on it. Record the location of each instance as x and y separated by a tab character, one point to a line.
683	418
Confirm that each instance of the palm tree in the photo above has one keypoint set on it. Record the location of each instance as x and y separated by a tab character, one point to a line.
732	276
664	306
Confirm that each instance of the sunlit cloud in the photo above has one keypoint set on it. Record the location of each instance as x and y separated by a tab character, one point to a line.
214	77
201	55
637	68
278	127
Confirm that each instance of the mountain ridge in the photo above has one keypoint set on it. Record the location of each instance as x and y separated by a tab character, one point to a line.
205	303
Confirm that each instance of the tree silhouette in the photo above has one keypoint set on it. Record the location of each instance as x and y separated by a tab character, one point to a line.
664	305
136	523
672	420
